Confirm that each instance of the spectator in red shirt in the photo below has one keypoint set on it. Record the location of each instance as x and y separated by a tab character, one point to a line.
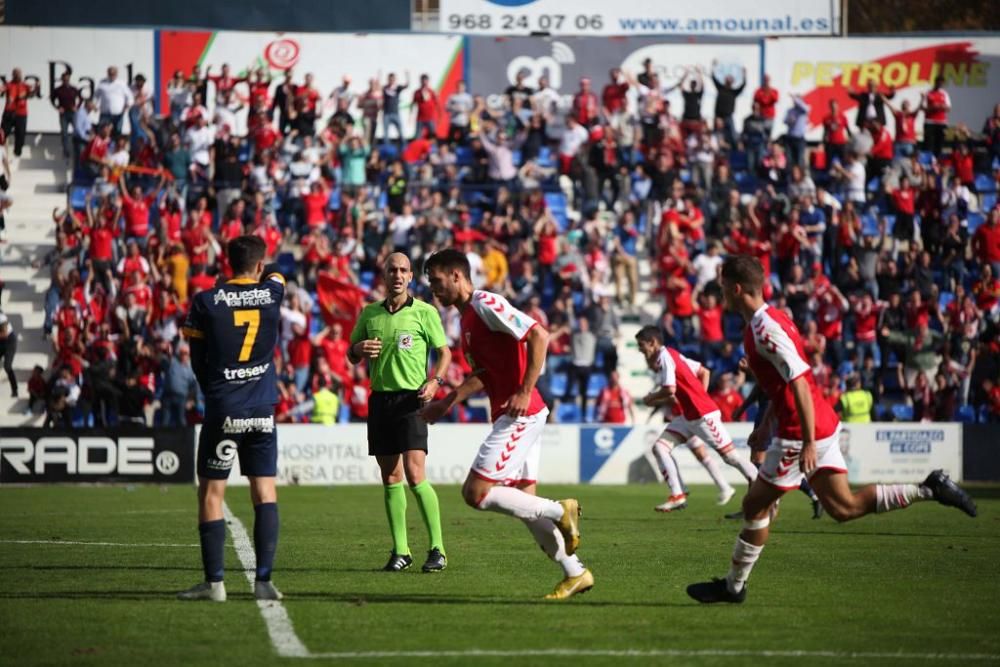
986	241
135	206
835	133
830	319
726	397
425	103
710	319
614	98
904	204
767	98
358	392
906	127
95	154
987	293
15	110
936	105
882	150
614	403
585	104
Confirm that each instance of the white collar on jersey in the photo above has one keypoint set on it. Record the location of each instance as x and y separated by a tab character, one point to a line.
760	311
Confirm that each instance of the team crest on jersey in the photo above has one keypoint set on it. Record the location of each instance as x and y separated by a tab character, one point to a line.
405	341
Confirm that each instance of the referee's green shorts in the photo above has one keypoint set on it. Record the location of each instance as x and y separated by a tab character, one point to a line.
394	423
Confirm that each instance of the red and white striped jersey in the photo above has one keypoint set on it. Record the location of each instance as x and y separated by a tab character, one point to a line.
776	356
673	369
493	335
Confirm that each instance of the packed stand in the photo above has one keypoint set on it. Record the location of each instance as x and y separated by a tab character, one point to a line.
886	253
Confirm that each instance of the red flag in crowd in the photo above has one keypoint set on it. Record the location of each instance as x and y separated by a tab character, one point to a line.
339	301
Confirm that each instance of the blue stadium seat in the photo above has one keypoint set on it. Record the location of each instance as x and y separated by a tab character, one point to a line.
568	413
344	416
926	158
869	225
388	151
590	416
286	263
557	363
545	157
383	200
751	413
557	383
334	202
902	412
945	299
477	414
985	183
987	202
973	222
846	368
78	197
517	157
463	156
597	382
967	414
738	161
890	223
367	279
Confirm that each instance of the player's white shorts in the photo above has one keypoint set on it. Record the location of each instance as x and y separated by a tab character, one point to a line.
781	461
709	428
512	451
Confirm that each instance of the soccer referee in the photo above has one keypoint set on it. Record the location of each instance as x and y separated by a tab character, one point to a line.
395	335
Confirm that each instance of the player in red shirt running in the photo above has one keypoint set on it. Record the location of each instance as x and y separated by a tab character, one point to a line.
807	442
507	349
682	385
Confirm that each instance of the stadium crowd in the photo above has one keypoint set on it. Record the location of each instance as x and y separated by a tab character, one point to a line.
885	251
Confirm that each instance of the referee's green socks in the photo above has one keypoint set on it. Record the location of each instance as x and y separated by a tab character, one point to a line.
395	510
428	500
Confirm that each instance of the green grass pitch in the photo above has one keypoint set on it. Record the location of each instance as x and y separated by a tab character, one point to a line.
924	582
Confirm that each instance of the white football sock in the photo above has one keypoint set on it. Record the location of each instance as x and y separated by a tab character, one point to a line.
744	557
668	466
890	497
552	543
714	471
745	467
517	503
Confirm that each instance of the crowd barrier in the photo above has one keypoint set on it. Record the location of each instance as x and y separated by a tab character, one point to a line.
311	454
818	69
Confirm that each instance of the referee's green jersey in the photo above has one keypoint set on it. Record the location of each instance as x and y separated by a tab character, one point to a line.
406	336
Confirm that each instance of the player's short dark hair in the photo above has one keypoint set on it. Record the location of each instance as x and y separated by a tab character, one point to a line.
449	259
745	271
648	333
244	252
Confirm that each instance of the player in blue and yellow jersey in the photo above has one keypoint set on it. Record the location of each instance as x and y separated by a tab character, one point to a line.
233	330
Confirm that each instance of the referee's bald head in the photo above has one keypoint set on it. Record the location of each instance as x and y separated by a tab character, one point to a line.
397	273
396	257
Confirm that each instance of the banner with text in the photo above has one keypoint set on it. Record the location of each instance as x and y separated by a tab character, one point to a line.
311	454
494	64
821	70
887	452
328	57
125	454
636	17
44	54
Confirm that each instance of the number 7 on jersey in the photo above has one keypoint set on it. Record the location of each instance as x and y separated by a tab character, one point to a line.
251	320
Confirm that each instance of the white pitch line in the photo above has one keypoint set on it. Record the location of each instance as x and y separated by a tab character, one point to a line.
279	625
96	544
652	653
